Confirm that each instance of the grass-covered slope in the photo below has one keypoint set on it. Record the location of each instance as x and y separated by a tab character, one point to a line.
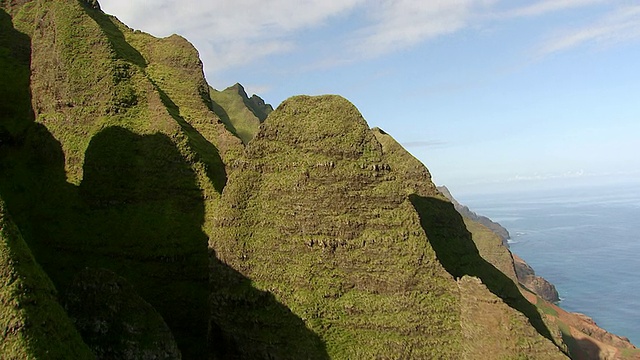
576	334
241	114
33	325
317	219
111	158
324	217
510	331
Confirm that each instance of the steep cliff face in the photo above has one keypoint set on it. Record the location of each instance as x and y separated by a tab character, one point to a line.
312	215
577	334
484	231
539	285
331	221
111	158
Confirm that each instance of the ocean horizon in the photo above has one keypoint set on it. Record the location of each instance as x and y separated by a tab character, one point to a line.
584	240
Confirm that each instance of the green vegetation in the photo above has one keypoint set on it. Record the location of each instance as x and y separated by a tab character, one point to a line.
32	323
15	55
491	248
110	175
321	218
241	115
317	221
115	321
545	307
132	196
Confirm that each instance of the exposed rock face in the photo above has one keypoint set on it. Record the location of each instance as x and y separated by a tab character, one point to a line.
528	278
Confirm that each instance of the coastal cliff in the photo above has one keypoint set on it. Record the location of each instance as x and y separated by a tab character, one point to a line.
524	274
579	334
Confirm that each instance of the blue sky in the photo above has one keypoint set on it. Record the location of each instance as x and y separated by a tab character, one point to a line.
491	95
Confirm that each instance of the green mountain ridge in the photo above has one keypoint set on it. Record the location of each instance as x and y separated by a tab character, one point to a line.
137	221
242	115
467	213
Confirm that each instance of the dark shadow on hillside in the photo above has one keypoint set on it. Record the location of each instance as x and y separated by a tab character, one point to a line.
247	323
53	335
458	254
123	49
205	151
581	349
23	144
250	103
146	213
139	213
15	71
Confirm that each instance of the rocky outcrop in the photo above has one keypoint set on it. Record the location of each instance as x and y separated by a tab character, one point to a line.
528	278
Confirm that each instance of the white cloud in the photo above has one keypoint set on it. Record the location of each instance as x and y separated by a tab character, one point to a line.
399	24
618	26
240	32
547	6
229	33
232	33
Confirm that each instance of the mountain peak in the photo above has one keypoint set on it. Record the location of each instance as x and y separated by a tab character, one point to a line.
326	123
92	4
240	114
238	89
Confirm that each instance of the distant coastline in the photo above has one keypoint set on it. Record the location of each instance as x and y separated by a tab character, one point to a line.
586	248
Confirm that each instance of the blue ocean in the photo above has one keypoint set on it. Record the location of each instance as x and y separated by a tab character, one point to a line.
584	240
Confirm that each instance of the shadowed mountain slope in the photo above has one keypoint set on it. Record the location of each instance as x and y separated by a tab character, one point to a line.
32	322
106	166
484	229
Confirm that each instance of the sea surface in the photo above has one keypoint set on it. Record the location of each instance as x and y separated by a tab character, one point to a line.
584	240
